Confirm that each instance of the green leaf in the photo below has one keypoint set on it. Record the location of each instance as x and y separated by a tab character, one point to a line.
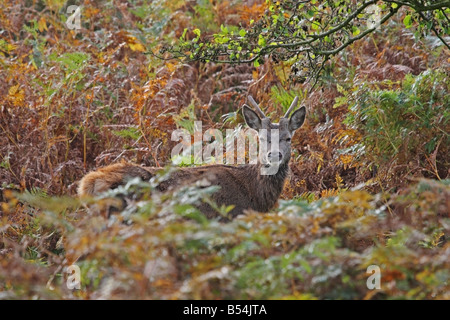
242	32
315	25
197	32
256	63
407	21
222	40
131	133
261	41
223	29
355	30
183	36
310	13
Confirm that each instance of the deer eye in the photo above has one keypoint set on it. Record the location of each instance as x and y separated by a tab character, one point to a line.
288	139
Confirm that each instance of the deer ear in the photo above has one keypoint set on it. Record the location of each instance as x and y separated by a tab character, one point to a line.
297	119
251	118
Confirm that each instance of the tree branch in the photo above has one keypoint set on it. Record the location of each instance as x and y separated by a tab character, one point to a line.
360	36
420	8
327	33
295	35
435	31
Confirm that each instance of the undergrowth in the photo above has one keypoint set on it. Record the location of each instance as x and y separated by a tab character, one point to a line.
369	169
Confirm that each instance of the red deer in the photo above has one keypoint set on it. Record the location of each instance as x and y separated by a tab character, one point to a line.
244	186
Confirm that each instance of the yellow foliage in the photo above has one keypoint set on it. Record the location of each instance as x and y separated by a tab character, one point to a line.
90	11
171	66
16	96
318	156
339	181
42	24
328	193
346	160
134	44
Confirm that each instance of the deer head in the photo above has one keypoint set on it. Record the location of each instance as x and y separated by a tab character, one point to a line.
275	138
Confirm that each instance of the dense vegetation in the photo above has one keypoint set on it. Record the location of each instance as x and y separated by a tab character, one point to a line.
370	171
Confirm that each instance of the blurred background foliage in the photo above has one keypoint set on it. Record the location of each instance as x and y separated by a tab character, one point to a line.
369	182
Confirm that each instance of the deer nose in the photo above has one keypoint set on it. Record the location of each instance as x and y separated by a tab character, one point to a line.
270	156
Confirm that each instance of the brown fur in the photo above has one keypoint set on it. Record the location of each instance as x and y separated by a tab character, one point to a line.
110	177
243	186
259	193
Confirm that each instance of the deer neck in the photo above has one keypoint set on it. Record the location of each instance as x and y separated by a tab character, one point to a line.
269	187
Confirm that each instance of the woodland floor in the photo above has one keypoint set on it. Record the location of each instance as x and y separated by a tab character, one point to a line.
369	182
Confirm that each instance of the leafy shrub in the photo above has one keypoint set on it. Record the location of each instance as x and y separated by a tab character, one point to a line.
65	112
405	125
303	251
